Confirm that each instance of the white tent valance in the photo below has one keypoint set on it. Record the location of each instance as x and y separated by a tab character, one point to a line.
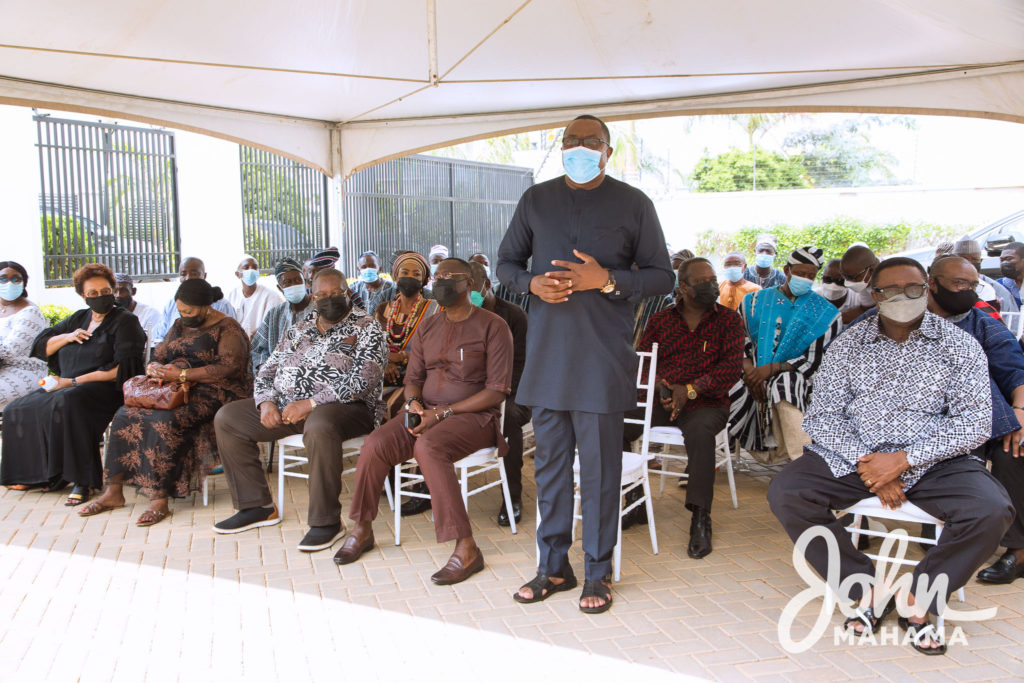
343	84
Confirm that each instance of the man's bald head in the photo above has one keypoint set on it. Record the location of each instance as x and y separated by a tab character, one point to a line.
857	263
951	266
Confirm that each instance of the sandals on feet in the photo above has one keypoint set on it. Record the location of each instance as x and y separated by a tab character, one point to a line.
78	495
868	618
596	589
58	485
151	517
96	507
543	587
922	631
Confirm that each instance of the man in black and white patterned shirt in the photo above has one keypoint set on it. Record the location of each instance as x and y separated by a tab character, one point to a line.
898	403
323	381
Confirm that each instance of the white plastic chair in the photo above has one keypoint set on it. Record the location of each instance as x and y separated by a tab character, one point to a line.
289	462
476	463
673	436
908	513
634	465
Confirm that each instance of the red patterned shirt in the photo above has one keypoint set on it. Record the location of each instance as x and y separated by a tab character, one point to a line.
709	357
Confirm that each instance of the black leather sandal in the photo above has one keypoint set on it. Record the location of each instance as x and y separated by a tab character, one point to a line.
596	589
543	587
78	495
920	632
868	618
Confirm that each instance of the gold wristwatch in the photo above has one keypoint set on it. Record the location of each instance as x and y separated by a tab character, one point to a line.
691	393
182	377
610	285
312	403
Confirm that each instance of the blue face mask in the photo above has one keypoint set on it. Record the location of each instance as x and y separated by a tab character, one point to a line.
734	273
764	260
476	298
581	164
250	276
9	291
433	269
799	285
295	293
369	275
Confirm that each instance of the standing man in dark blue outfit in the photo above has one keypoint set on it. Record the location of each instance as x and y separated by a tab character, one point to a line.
584	232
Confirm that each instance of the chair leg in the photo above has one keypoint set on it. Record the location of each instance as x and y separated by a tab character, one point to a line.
855	535
206	490
617	553
650	514
398	504
576	507
664	468
280	479
729	472
389	494
537	535
505	492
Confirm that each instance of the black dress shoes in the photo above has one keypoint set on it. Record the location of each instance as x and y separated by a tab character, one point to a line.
1005	570
517	512
415	506
700	534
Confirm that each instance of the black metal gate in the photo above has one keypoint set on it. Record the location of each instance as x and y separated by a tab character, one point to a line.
284	207
416	202
108	194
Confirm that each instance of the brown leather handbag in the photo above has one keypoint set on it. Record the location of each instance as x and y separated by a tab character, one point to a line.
145	392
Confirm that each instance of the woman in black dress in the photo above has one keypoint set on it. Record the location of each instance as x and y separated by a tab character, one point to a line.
52	437
166	453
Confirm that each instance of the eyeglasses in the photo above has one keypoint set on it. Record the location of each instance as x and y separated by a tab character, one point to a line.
825	279
589	143
16	279
914	291
450	276
321	297
858	276
959	284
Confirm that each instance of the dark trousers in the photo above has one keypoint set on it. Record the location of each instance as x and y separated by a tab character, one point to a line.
699	426
1010	473
435	451
239	431
598	438
515	417
960	492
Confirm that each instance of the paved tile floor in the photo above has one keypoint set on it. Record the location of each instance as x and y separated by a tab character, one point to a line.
100	599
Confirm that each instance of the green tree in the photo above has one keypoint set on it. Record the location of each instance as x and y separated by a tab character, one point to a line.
733	171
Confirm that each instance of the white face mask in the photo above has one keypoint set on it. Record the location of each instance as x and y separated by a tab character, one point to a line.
832	291
857	287
901	309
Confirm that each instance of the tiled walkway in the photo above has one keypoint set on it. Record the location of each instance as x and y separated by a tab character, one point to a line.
100	599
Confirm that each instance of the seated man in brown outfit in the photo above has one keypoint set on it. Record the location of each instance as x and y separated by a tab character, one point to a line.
459	372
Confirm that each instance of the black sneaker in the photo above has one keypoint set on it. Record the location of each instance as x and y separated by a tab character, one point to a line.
243	520
322	537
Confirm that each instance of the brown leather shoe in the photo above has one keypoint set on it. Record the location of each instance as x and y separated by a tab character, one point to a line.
454	572
352	550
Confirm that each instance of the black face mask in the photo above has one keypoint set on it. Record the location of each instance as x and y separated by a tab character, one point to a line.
124	302
446	292
409	286
1008	270
192	320
100	304
333	308
705	294
954	303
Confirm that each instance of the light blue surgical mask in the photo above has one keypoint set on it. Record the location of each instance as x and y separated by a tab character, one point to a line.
369	275
581	164
764	260
799	285
9	291
476	298
295	293
250	276
433	269
734	273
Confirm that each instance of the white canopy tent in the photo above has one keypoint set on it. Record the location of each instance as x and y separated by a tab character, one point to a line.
342	84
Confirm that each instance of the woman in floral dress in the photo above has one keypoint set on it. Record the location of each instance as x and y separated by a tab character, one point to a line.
166	453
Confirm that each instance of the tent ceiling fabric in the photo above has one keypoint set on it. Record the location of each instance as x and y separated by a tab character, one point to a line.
342	84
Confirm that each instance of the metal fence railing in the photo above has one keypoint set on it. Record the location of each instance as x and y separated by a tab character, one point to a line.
108	194
284	207
418	201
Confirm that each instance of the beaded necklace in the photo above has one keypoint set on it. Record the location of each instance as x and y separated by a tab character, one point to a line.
400	328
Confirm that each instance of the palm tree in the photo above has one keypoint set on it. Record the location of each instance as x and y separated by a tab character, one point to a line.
756	125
